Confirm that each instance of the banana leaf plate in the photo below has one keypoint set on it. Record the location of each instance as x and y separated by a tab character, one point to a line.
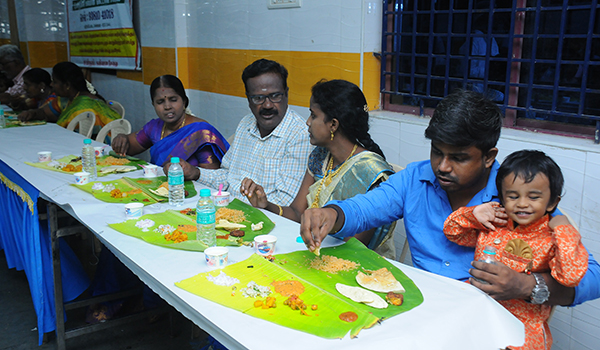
187	223
253	216
15	123
59	164
319	290
132	190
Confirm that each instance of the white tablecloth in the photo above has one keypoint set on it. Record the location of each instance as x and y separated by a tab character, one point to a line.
454	315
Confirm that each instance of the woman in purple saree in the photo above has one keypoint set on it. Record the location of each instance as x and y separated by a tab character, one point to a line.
176	132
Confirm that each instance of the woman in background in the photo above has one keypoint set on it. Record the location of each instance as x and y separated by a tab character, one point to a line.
68	81
345	162
176	132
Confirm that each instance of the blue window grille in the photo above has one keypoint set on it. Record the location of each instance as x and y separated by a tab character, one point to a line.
538	59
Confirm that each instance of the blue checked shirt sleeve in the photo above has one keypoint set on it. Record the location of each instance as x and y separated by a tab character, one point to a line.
213	177
292	167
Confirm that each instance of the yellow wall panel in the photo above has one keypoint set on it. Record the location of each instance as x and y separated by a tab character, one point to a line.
183	71
130	75
157	61
371	86
45	54
220	70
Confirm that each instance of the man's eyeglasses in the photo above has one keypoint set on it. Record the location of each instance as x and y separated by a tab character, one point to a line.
260	99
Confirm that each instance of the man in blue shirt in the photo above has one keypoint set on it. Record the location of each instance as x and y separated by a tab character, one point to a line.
463	130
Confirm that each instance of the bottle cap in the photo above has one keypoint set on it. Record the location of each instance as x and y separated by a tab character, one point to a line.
205	192
87	142
174	159
489	250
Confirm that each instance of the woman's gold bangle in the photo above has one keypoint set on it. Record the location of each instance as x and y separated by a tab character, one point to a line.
280	209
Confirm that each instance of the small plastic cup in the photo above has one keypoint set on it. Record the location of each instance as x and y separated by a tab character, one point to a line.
134	210
82	177
265	244
216	256
221	200
99	151
44	156
150	170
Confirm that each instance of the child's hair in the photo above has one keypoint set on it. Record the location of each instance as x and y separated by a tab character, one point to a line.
527	164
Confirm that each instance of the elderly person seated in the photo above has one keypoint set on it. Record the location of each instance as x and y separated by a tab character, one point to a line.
176	132
13	66
345	162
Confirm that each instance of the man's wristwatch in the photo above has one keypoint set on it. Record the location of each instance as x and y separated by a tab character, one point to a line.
540	292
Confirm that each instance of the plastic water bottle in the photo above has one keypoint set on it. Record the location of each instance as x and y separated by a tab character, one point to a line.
88	159
489	256
176	191
2	119
205	219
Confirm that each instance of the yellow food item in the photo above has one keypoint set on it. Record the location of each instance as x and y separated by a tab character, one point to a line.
317	251
116	193
288	287
381	280
113	161
72	168
186	228
177	236
332	264
266	304
394	298
231	215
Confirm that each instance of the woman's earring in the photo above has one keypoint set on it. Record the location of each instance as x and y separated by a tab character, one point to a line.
42	90
331	135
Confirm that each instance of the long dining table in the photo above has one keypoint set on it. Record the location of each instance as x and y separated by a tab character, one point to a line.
453	315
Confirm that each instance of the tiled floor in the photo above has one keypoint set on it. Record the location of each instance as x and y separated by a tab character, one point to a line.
18	324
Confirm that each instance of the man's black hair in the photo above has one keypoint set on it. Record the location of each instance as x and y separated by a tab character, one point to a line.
527	164
466	118
262	66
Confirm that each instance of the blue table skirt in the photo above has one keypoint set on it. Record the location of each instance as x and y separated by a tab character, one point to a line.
27	247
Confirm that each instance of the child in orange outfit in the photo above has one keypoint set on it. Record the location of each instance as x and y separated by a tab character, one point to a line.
529	187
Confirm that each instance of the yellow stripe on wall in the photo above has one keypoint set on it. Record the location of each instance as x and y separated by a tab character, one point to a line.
157	61
45	54
220	70
134	75
371	80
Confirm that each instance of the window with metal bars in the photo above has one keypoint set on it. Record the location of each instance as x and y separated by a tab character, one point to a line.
538	59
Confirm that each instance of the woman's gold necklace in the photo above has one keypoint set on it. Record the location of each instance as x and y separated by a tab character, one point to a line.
162	133
329	176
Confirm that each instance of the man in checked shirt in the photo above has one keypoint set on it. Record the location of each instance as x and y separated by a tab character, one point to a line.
271	145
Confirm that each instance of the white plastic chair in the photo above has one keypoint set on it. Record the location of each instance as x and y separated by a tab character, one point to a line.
116	127
86	122
118	107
